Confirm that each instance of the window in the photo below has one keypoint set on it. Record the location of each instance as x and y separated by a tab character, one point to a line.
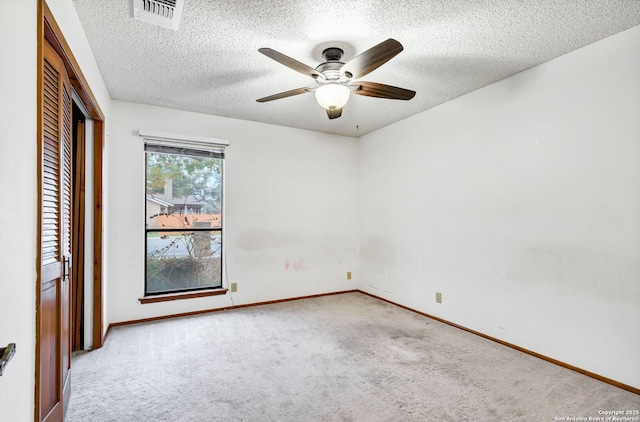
184	234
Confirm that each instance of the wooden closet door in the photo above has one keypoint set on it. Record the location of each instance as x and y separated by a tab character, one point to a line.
55	239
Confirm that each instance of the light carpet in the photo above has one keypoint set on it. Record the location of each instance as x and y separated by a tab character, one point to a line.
346	357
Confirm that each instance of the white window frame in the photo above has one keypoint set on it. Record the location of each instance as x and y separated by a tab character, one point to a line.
194	142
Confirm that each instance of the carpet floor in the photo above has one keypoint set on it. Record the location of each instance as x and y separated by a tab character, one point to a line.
346	357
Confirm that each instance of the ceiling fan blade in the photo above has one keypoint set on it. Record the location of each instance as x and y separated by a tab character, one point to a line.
334	113
291	63
284	94
373	89
372	59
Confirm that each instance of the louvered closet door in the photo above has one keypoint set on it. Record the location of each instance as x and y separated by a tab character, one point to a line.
55	240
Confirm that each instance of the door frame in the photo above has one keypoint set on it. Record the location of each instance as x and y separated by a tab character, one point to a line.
49	30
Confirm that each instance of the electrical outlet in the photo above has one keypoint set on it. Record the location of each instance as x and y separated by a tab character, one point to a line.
348	275
234	287
438	297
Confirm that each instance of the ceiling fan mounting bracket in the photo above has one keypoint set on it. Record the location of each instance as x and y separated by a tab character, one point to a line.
318	51
331	66
332	54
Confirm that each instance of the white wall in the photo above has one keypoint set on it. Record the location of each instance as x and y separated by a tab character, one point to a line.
290	196
520	202
18	186
18	208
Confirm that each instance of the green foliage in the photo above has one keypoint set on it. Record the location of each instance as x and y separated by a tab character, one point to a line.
181	273
198	177
199	268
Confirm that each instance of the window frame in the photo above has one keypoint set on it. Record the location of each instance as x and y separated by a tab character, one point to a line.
215	147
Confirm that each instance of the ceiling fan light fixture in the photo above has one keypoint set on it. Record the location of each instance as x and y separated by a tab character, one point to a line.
332	96
335	78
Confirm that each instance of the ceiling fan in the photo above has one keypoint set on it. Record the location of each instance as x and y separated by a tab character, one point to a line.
337	80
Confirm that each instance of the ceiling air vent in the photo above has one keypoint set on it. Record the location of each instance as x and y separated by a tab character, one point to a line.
165	13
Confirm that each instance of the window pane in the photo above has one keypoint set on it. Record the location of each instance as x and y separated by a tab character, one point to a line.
183	220
183	260
183	191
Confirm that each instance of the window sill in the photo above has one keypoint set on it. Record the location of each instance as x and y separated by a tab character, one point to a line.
180	296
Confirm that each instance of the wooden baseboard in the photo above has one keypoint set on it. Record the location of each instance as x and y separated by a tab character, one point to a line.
225	308
513	346
504	343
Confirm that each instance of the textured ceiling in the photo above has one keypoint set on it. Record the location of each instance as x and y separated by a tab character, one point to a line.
451	47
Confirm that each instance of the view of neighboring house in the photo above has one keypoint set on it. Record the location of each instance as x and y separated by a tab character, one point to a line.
156	206
160	205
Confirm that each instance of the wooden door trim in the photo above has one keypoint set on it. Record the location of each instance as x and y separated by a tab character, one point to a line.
53	34
98	150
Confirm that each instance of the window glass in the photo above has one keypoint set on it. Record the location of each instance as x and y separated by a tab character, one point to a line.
183	219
